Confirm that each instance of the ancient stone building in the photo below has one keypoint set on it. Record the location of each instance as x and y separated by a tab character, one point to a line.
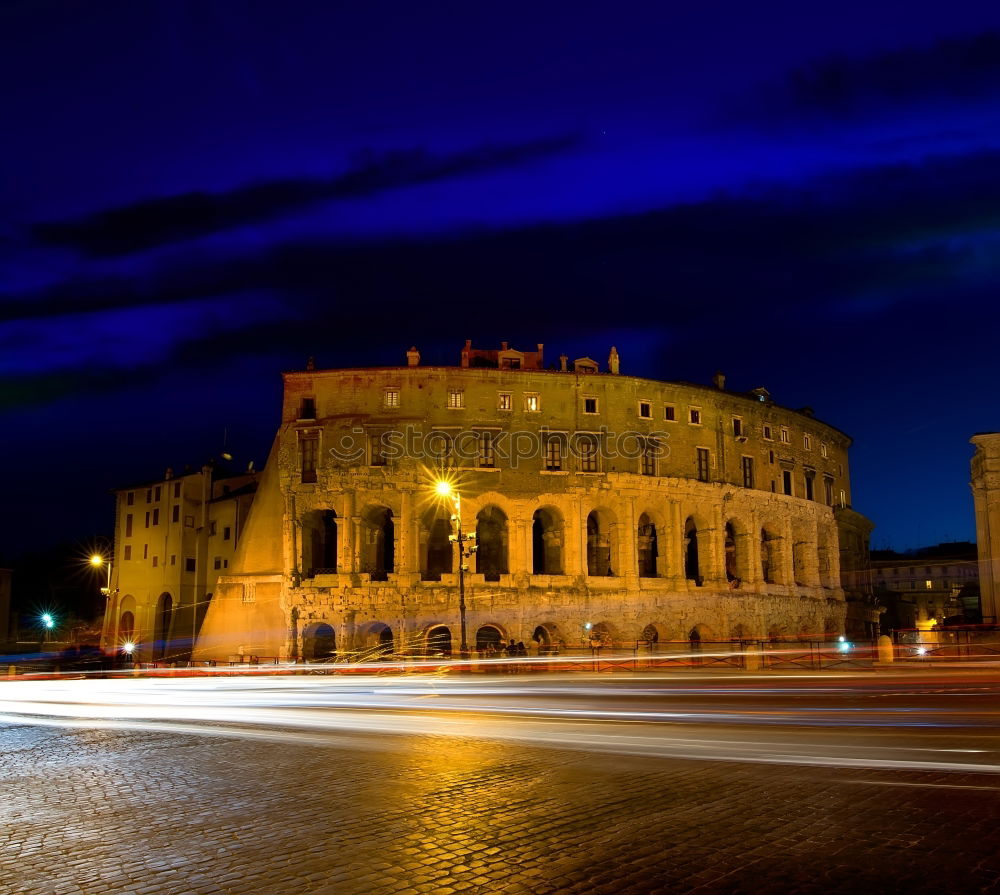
986	498
606	507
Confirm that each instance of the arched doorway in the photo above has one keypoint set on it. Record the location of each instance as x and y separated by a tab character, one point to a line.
164	617
732	574
386	642
546	542
599	544
489	639
319	642
379	557
319	543
126	633
491	541
648	551
439	641
542	637
437	553
691	568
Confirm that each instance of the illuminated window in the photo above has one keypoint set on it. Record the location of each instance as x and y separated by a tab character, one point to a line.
929	585
456	398
531	402
505	401
694	416
391	398
645	410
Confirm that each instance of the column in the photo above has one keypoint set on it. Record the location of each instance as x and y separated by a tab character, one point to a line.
675	544
753	557
628	542
404	560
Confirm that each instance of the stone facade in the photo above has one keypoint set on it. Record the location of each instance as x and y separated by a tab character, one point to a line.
986	499
607	507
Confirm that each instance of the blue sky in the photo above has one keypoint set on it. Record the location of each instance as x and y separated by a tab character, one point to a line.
201	194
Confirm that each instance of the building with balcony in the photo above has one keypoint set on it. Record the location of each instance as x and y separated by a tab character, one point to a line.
606	507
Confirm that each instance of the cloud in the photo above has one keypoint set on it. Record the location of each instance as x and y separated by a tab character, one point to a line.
156	222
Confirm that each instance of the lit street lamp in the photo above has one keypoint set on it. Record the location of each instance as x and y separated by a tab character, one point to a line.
466	548
97	560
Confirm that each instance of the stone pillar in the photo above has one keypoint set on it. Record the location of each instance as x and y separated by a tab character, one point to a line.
753	548
712	566
404	557
675	545
346	535
580	539
787	562
356	543
628	543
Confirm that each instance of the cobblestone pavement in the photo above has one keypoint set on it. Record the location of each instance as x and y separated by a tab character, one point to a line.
111	810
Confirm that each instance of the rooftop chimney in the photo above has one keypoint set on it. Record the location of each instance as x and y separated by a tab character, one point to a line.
563	362
613	361
311	364
719	380
413	357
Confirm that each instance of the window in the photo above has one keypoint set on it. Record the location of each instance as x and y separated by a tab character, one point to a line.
147	518
786	481
694	416
828	491
391	397
929	585
487	454
149	495
376	448
177	490
703	464
807	442
588	453
175	514
843	498
531	402
748	472
145	551
307	409
156	516
770	457
786	438
510	363
308	453
227	533
766	431
456	398
553	453
217	563
590	405
188	563
128	525
128	551
130	498
505	401
810	479
738	426
670	413
650	449
189	521
822	448
645	410
156	561
173	559
156	494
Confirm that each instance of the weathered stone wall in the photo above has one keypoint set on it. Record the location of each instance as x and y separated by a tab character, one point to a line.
986	498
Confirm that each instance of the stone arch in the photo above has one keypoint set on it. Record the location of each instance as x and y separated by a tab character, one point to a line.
436	549
492	540
489	638
319	543
375	638
600	543
439	641
650	634
125	634
731	552
319	642
692	560
378	542
547	537
648	547
547	638
601	635
162	622
777	633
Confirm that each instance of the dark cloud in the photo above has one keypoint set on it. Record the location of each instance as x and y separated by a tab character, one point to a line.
155	222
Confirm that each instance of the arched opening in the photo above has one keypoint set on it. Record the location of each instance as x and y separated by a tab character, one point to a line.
126	630
732	572
600	636
489	639
319	643
385	639
437	552
491	543
648	549
439	641
767	557
691	571
599	544
546	542
379	543
319	543
694	639
800	550
650	635
543	640
164	617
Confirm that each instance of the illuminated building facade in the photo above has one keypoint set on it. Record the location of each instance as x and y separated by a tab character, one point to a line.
986	499
607	508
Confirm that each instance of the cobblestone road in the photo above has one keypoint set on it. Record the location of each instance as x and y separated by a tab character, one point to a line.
98	811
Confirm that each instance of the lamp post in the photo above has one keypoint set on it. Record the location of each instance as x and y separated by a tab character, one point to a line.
466	548
97	560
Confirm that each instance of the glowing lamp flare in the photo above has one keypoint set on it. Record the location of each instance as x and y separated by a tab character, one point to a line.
443	488
48	620
128	647
97	560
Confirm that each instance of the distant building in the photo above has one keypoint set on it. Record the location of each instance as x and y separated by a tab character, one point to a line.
924	588
627	510
174	537
986	498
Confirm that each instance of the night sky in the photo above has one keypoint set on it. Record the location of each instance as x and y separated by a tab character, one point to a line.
197	195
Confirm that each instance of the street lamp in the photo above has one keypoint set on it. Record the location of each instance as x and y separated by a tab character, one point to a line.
466	548
97	561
